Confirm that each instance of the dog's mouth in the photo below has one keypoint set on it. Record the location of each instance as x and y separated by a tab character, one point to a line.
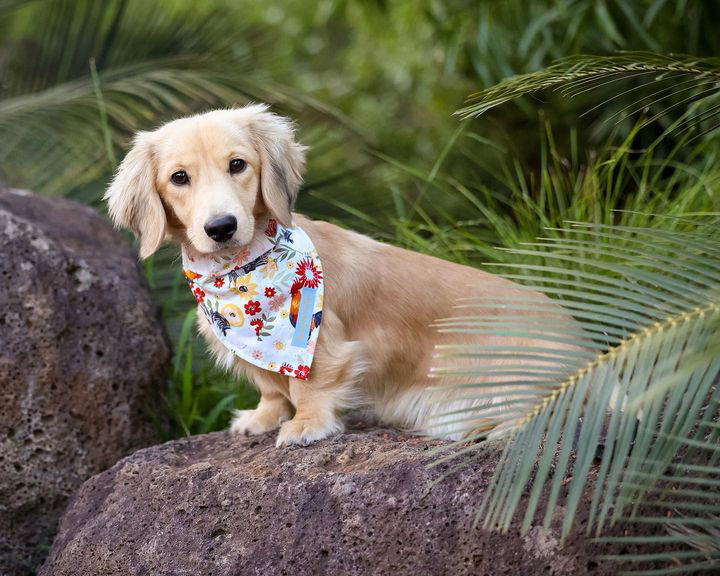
202	245
218	249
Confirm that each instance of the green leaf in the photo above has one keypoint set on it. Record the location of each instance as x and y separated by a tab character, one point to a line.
639	379
667	81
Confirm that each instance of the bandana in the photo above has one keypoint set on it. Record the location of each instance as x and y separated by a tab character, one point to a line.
264	303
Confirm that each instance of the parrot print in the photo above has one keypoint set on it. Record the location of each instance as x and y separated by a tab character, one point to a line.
295	307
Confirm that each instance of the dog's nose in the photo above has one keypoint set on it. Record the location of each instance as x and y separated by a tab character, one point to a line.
221	229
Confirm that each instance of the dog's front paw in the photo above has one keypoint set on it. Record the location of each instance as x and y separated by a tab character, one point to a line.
304	431
251	422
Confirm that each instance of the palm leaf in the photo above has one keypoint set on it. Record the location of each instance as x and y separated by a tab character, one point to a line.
79	84
83	79
633	374
683	507
662	83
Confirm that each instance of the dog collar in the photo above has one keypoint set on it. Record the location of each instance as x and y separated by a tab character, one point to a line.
264	302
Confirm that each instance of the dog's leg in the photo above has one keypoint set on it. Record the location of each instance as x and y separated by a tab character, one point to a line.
273	408
315	416
333	384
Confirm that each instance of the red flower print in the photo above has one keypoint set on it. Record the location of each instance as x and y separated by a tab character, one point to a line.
236	268
258	325
199	295
296	287
310	276
302	372
219	282
271	229
252	308
269	292
286	368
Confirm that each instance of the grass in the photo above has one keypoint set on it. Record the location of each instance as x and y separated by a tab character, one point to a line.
199	396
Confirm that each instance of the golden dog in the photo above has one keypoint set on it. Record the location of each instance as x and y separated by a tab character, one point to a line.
375	347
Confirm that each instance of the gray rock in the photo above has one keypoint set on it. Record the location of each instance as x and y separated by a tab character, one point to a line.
363	503
81	355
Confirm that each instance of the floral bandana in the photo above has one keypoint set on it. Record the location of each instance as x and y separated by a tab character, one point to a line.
265	302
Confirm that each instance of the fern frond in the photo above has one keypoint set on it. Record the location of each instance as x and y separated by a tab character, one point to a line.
61	127
633	373
62	124
683	508
678	80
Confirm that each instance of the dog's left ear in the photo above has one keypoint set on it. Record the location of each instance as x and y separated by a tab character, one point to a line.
282	160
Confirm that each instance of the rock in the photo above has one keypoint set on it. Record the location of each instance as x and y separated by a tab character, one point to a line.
363	503
82	352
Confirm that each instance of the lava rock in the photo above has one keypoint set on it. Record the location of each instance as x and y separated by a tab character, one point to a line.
82	352
363	503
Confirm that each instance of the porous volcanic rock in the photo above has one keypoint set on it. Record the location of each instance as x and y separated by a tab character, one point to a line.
363	503
81	355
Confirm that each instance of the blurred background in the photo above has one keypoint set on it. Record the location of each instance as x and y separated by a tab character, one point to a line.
373	86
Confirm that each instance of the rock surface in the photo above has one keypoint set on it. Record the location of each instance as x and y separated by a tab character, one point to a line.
81	355
362	503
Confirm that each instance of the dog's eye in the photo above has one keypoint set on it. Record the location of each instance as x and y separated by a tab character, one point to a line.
237	165
179	178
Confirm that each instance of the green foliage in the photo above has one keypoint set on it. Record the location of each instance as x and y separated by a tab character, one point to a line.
661	84
620	184
69	125
636	377
200	400
372	85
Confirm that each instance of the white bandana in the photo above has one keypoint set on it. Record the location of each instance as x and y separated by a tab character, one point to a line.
265	302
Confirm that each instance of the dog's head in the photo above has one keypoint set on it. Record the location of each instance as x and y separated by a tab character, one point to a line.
206	179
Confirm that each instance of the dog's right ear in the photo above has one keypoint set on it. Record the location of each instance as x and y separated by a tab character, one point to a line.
132	198
282	159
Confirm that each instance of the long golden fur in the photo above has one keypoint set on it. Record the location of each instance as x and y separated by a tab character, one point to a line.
375	347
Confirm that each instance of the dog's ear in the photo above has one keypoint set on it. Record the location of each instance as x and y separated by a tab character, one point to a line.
132	198
282	160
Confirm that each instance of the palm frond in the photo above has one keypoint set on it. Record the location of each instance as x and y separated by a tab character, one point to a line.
82	82
61	127
683	509
662	83
629	381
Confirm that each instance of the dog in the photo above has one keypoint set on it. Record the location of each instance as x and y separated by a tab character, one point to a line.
375	346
